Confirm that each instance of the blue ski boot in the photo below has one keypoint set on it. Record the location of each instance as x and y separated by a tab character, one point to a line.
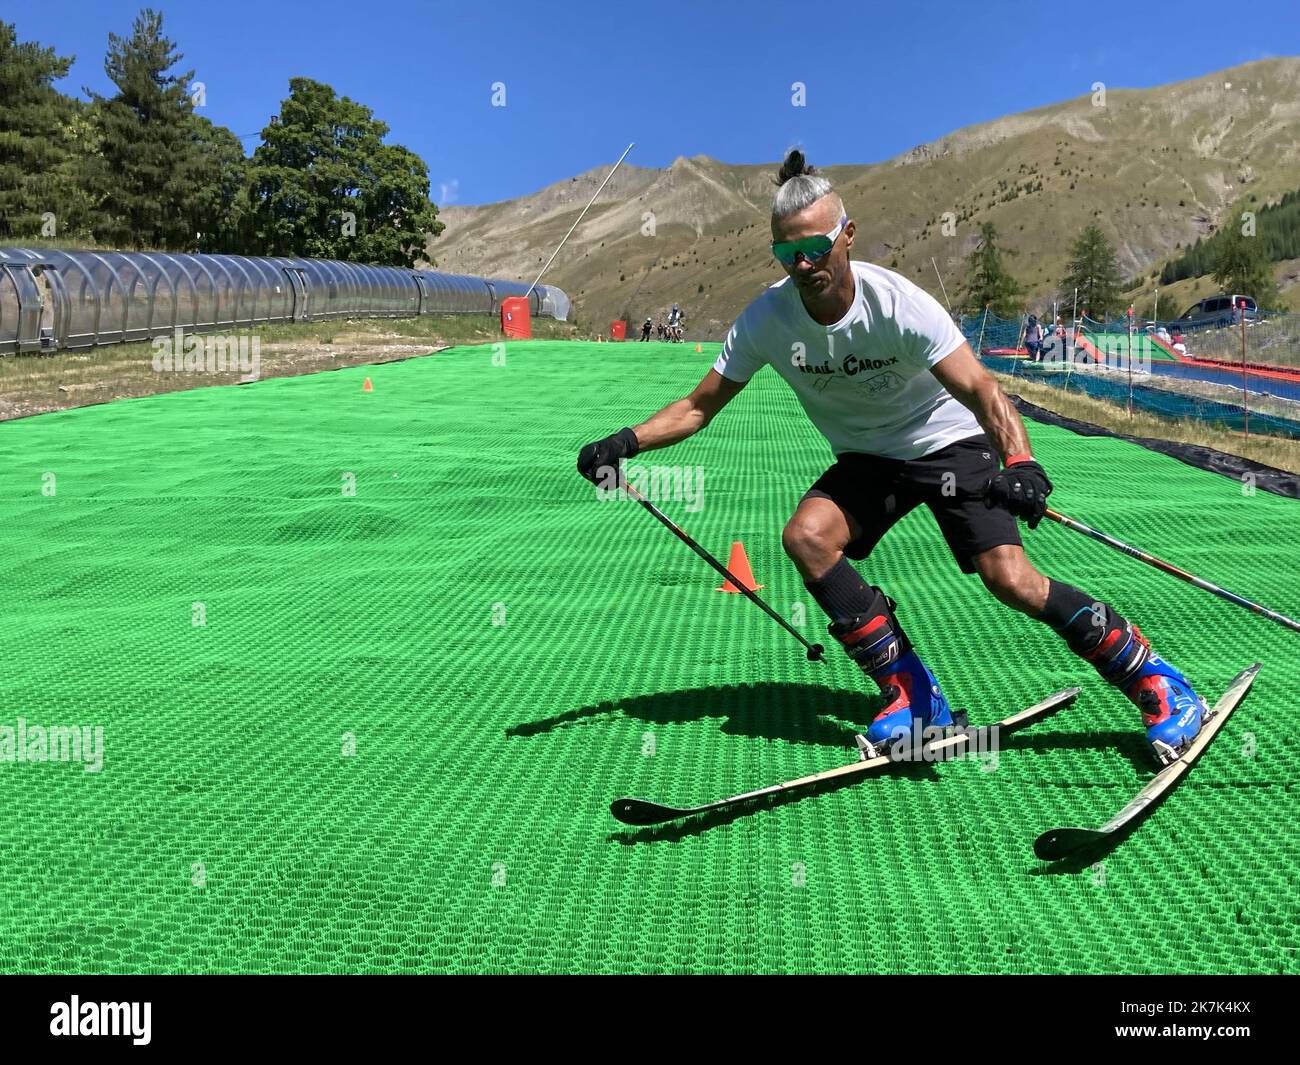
913	703
1171	709
913	699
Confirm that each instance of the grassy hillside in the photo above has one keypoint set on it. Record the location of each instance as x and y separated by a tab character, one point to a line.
1156	168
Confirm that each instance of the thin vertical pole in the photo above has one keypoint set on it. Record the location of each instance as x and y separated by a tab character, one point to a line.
1130	362
1245	394
578	219
942	286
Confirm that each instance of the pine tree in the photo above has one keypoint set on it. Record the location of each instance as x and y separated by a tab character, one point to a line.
989	284
1241	262
1278	229
74	180
1093	270
221	208
325	184
148	159
34	143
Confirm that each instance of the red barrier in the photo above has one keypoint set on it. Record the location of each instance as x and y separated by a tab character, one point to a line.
618	330
1260	369
515	320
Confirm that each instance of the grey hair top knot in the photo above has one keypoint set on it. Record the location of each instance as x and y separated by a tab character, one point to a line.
799	185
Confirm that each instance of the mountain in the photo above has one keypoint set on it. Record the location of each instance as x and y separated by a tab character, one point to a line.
1156	168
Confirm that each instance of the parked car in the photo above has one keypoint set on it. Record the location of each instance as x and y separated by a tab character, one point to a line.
1218	311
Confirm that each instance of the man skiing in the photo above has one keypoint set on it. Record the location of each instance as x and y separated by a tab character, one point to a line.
913	418
676	323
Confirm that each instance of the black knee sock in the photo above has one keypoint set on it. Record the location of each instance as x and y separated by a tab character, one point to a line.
1085	623
842	592
1080	619
862	617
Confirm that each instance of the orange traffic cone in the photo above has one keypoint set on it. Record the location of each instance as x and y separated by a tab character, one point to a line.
738	563
367	387
698	349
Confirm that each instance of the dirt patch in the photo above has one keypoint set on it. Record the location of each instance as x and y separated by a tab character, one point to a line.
39	384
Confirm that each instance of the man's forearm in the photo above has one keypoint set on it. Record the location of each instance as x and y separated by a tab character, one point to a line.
674	423
1001	422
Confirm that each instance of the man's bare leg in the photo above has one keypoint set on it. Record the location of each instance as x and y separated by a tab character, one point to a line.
1097	633
862	619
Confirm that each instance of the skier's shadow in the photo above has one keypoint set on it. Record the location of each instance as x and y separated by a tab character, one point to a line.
795	713
1088	856
1127	743
676	831
1133	747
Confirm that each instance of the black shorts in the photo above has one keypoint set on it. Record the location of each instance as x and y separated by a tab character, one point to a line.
878	492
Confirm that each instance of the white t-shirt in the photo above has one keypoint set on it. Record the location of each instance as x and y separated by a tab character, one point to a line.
865	381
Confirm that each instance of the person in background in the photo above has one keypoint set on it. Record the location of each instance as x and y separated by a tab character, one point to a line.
1034	339
645	330
1180	342
675	324
1060	337
1162	334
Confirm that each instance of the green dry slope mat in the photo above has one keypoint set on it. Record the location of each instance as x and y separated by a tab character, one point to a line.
1119	345
370	667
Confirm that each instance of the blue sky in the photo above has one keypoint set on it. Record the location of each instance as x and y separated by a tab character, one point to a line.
583	78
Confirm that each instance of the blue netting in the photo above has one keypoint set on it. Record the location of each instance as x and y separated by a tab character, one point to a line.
1154	400
1264	383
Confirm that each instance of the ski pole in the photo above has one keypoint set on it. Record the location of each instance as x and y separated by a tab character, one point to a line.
815	650
1172	570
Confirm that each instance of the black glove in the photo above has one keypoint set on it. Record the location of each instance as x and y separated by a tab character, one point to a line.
1023	489
605	454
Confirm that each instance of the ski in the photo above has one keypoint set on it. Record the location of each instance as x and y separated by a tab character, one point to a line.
1059	842
643	812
